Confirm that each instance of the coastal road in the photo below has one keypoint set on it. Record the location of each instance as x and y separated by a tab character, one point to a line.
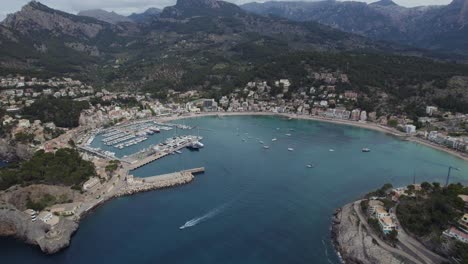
416	246
381	243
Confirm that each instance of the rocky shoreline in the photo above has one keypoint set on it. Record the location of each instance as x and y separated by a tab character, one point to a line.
51	240
354	243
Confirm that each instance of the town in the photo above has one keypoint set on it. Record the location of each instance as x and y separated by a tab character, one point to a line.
328	101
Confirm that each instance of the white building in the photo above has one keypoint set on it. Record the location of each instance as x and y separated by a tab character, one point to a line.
410	129
430	110
363	116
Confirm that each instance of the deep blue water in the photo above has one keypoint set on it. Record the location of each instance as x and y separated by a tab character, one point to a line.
252	205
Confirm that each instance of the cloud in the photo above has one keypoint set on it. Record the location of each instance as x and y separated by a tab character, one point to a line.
126	7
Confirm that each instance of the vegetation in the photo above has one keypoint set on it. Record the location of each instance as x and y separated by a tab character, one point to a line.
64	167
432	209
24	137
112	166
382	192
45	201
63	112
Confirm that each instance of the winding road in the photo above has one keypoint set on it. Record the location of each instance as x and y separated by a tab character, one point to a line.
384	245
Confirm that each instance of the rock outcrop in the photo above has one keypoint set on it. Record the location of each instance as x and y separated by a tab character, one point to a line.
19	225
354	243
14	152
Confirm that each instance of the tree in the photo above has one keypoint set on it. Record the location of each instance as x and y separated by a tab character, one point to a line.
392	237
392	123
426	186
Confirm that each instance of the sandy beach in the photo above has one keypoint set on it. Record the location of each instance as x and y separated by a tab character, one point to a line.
365	125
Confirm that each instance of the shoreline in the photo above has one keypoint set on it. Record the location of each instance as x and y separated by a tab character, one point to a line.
370	126
53	239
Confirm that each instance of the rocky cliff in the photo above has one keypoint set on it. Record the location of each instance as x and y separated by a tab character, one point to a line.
354	242
14	152
19	225
440	28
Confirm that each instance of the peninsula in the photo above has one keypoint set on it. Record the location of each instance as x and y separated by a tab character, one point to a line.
421	224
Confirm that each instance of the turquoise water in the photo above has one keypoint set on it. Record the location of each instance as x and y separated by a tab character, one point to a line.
253	205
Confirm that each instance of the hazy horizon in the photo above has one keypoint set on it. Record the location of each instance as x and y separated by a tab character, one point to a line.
127	7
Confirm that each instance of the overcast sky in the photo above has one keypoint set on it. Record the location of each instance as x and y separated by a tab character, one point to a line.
127	7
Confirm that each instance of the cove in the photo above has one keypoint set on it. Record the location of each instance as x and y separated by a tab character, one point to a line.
252	205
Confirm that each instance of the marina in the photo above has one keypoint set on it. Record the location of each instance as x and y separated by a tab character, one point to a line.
169	146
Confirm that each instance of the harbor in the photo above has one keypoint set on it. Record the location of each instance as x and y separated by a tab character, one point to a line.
240	187
130	134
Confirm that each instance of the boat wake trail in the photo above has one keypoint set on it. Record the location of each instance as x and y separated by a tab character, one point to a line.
197	220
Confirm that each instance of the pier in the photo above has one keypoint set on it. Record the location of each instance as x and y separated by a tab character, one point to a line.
136	184
136	163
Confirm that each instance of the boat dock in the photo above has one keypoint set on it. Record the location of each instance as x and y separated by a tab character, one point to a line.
151	156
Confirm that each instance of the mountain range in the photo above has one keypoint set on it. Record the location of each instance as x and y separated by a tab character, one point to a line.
439	28
39	37
217	47
109	17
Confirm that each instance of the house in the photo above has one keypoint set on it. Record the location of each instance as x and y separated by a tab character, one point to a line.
456	234
465	199
430	110
373	205
355	114
463	223
387	224
363	116
48	218
24	123
350	95
410	129
380	212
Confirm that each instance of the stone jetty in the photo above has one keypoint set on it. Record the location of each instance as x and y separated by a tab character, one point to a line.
135	185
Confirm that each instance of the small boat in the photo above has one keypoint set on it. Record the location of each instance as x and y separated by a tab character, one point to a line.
290	149
266	147
178	152
243	139
331	150
366	150
274	139
277	128
261	142
288	135
310	166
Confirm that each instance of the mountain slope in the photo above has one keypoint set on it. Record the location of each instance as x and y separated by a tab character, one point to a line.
102	15
207	45
440	28
147	16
